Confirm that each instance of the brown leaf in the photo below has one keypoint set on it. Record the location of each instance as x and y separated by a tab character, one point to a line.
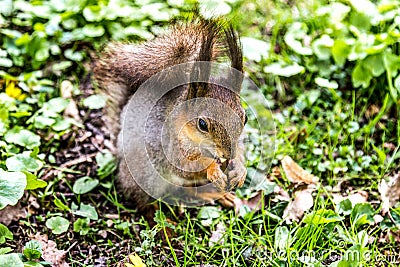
390	192
302	202
371	111
12	213
50	251
295	173
72	109
217	235
254	203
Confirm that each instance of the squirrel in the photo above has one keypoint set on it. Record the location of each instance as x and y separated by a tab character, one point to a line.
208	150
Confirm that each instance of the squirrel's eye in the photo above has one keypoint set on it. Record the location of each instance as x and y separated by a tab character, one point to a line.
202	124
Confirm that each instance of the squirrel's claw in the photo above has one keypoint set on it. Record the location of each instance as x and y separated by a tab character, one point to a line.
227	200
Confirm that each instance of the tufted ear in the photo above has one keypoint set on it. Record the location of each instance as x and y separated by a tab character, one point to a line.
200	72
209	30
234	49
218	40
235	54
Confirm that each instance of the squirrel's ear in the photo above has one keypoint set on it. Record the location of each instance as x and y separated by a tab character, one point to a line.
235	54
197	89
200	73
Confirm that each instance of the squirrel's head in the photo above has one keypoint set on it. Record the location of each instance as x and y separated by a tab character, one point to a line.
210	126
213	119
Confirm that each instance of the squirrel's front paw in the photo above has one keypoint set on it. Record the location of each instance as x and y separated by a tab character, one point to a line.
217	177
236	174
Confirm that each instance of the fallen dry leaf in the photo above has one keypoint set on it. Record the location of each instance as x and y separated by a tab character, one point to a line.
135	261
355	198
378	218
254	203
372	110
302	202
72	109
50	251
217	235
390	192
295	173
12	213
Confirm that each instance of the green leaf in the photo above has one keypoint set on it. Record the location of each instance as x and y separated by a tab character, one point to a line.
60	204
322	47
42	122
5	250
6	7
381	155
285	71
161	220
361	214
58	225
391	63
5	234
93	13
11	260
360	21
91	30
33	250
87	211
212	8
375	64
138	31
322	216
84	185
62	125
353	127
22	162
63	65
361	76
42	54
56	105
282	238
95	102
208	212
397	83
74	56
5	62
345	207
33	182
326	83
293	37
23	138
367	8
116	30
82	226
106	164
12	185
254	49
340	52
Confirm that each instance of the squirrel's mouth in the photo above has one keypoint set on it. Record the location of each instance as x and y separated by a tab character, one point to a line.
220	160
